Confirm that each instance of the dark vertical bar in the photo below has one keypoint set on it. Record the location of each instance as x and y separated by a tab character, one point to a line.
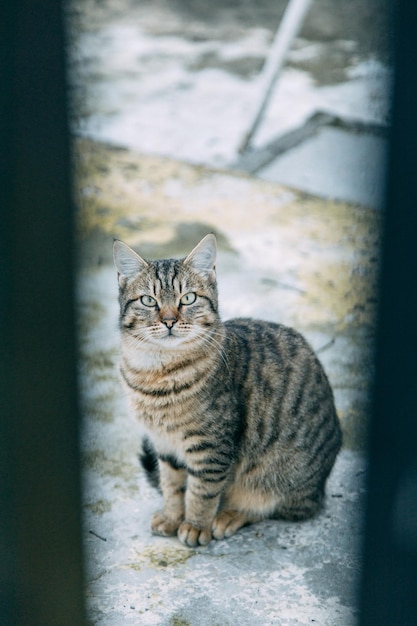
40	538
8	599
389	585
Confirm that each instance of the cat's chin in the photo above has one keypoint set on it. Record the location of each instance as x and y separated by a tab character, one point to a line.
170	341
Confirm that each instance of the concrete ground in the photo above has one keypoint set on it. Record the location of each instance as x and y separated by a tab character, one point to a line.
165	92
284	256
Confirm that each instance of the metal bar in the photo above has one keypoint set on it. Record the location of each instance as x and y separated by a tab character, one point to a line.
290	25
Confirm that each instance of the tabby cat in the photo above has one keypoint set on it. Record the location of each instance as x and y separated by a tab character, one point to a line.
239	416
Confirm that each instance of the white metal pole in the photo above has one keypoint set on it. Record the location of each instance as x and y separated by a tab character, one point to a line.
290	25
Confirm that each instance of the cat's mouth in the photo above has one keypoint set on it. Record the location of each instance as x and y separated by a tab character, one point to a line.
180	332
175	337
170	337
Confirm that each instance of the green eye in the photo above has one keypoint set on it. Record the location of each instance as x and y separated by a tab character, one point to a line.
188	298
148	300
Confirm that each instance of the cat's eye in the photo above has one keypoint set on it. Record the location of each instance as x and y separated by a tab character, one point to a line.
188	298
148	301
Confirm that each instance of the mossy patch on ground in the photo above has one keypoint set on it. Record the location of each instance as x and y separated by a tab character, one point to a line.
161	557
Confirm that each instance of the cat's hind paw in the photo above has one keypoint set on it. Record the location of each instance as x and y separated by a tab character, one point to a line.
226	523
191	536
162	525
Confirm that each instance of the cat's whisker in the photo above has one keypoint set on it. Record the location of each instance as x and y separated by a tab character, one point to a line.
209	340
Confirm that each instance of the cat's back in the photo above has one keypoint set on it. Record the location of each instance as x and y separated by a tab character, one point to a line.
278	374
274	345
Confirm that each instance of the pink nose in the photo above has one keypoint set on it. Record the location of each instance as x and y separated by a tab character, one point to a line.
169	321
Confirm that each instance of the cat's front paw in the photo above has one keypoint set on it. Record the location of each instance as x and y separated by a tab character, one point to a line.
162	525
192	536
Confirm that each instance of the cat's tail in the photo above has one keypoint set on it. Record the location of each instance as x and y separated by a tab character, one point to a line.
149	461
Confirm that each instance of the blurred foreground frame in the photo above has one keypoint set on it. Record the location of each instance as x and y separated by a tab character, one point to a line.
41	574
389	579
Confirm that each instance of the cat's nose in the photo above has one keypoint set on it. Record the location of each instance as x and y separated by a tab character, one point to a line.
168	315
169	321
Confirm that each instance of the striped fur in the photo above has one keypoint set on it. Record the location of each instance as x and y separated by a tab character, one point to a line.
239	416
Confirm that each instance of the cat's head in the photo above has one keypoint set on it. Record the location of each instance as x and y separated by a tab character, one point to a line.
168	302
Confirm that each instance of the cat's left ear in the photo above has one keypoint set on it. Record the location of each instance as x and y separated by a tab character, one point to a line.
203	258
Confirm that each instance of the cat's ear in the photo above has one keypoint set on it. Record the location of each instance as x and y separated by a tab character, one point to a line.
127	262
203	258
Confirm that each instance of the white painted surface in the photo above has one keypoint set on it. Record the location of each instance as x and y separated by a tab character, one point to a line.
335	164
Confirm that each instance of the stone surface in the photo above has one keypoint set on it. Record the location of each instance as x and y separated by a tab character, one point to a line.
284	256
336	164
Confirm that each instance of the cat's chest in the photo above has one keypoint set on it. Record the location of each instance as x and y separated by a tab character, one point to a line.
164	381
169	398
167	443
145	361
163	401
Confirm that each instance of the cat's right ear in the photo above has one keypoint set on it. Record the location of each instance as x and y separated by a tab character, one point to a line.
127	262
